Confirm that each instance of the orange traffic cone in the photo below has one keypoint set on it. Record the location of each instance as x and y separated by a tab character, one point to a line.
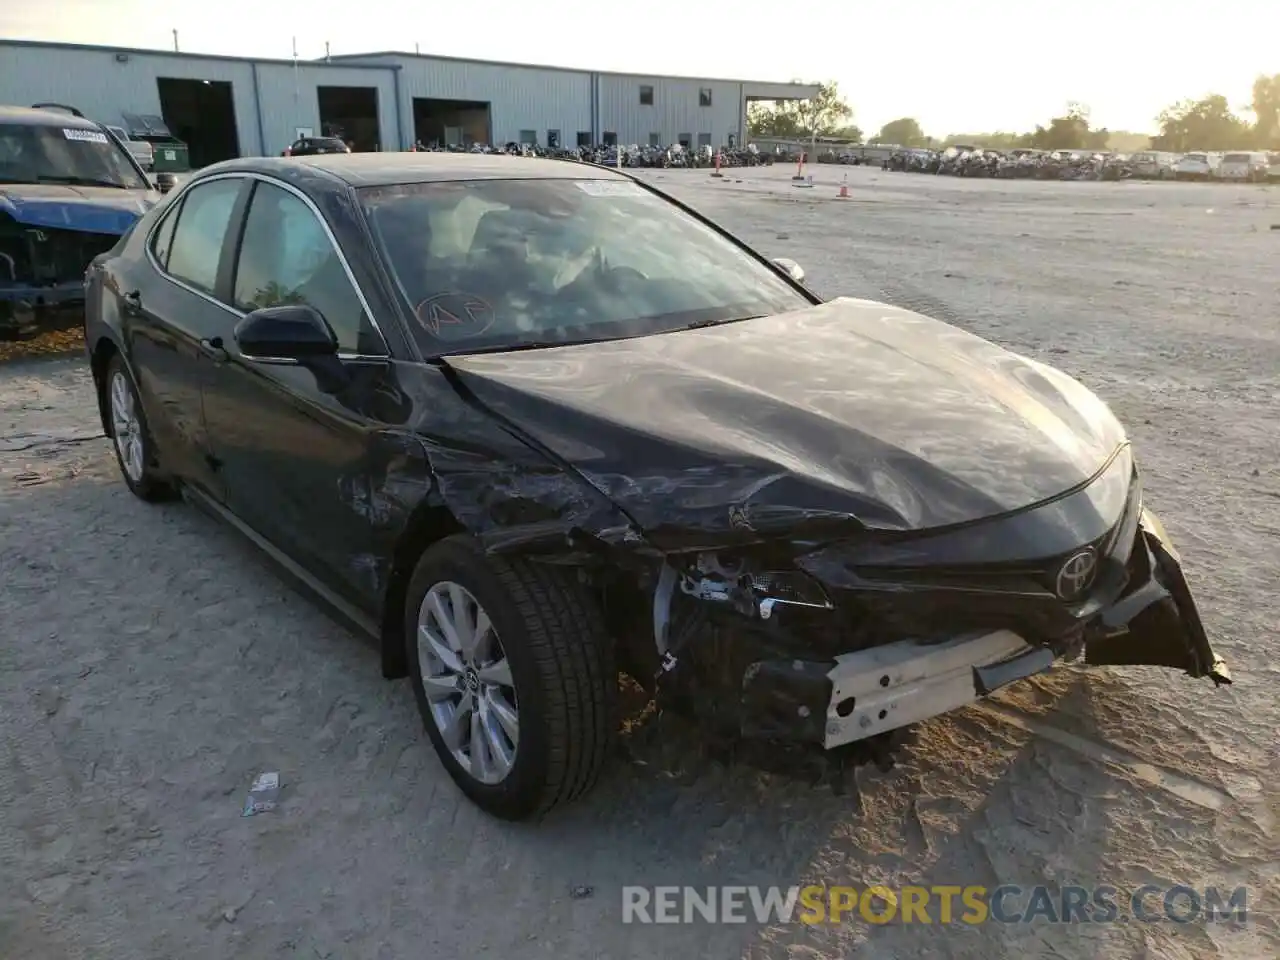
844	188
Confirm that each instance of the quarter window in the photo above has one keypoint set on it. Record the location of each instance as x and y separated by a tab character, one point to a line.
196	245
286	257
163	239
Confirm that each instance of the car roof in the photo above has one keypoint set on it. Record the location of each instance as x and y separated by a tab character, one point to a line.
386	169
30	117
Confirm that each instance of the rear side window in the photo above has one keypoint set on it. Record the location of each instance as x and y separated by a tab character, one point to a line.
162	240
196	246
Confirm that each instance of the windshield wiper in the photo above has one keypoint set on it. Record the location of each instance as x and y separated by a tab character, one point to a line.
78	181
716	322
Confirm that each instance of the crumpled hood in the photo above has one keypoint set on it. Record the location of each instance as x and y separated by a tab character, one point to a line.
847	411
92	209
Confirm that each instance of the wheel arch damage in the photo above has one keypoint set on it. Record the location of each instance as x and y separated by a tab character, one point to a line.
416	489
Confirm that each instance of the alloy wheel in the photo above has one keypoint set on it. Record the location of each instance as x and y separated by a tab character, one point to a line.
127	427
468	682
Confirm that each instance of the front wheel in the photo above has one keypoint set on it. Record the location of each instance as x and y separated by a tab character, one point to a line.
514	676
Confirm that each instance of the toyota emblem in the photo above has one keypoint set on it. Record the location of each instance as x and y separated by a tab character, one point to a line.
1076	574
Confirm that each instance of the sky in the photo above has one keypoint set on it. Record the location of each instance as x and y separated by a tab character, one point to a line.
958	66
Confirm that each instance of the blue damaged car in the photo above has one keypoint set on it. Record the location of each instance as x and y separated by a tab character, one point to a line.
68	192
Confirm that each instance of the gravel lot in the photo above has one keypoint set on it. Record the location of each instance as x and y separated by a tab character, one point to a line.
151	666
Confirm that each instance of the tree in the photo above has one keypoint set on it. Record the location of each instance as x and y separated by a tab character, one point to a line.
825	115
1266	111
903	132
1069	132
1204	124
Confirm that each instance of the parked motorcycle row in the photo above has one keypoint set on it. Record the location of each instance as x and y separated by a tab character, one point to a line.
674	156
1016	164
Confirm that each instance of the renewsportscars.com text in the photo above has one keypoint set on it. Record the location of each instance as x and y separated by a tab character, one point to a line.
937	904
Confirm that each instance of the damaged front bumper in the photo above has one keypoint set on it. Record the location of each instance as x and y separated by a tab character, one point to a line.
869	692
27	310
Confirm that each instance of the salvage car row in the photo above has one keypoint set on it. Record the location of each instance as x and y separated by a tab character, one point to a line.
966	161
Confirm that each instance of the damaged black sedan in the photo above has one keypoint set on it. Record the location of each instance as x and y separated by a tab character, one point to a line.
530	425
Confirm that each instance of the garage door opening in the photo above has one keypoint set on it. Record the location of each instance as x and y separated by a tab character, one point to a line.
202	114
350	113
447	123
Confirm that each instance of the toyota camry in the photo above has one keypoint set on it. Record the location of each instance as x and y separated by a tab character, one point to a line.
531	424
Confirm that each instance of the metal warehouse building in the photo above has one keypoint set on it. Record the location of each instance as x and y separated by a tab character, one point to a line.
230	106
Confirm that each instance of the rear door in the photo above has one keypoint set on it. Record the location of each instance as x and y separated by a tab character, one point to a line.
174	320
293	456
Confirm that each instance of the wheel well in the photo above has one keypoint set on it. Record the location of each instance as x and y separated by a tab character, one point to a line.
427	525
103	351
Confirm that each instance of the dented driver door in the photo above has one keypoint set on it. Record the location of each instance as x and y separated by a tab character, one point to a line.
291	442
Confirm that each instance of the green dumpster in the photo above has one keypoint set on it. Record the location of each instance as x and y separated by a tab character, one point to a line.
171	157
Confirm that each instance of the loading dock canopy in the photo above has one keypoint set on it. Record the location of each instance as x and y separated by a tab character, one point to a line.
146	125
779	91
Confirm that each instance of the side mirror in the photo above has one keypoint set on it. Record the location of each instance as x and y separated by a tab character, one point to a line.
165	182
295	332
793	269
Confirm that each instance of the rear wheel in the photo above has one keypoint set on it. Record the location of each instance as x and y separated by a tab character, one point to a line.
514	677
135	452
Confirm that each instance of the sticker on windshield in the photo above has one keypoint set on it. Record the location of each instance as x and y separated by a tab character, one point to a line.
454	316
609	188
85	136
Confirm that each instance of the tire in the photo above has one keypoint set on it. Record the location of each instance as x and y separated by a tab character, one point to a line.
135	451
560	663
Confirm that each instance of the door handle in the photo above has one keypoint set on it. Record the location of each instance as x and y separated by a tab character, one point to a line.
213	348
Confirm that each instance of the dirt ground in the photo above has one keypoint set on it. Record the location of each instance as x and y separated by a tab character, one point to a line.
151	666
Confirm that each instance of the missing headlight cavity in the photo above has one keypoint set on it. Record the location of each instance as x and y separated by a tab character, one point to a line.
846	706
753	592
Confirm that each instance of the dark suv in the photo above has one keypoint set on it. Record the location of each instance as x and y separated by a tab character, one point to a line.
68	192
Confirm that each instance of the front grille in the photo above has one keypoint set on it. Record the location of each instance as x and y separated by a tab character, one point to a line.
46	256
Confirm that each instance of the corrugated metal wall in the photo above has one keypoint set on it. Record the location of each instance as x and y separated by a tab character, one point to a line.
102	87
519	98
288	102
273	98
675	111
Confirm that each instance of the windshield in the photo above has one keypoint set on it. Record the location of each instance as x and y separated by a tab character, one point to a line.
47	154
496	264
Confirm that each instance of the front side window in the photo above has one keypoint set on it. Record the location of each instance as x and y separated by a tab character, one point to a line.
286	257
54	154
196	247
504	263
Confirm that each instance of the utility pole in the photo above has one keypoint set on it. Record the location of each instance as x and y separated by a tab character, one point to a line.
175	41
